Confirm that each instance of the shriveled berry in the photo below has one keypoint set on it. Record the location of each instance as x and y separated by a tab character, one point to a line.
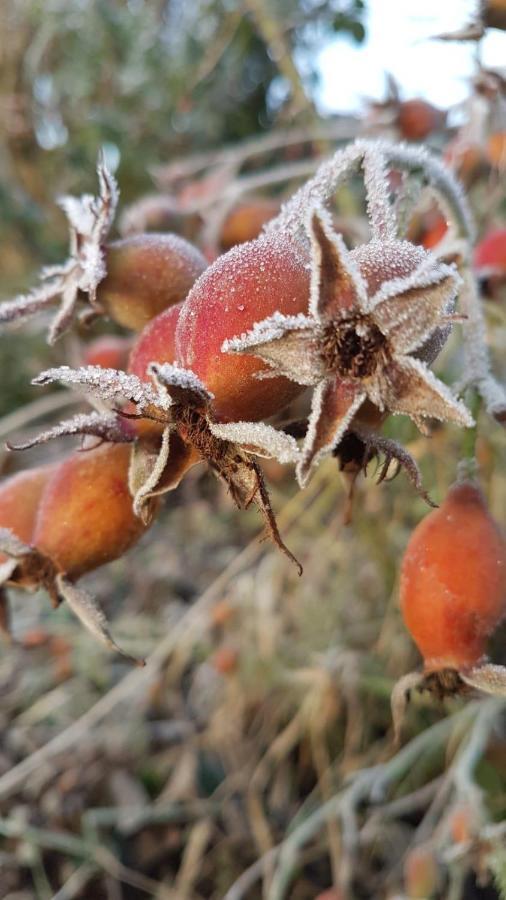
453	580
146	274
242	287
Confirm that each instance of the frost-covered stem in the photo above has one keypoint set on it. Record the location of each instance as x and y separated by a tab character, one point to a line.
468	467
478	372
439	176
379	208
321	188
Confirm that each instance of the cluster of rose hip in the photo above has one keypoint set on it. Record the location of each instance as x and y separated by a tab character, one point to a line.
223	353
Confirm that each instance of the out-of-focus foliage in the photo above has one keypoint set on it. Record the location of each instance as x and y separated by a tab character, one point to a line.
148	79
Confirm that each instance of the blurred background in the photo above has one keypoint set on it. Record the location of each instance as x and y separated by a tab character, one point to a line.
208	775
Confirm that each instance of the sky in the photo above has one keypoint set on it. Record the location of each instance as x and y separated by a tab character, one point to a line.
397	41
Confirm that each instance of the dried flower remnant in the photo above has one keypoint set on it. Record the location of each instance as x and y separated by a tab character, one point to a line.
89	219
418	166
180	403
129	280
371	313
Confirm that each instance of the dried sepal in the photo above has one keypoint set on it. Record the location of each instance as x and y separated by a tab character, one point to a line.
89	219
103	426
145	474
391	450
87	610
374	158
400	698
180	401
12	546
487	678
358	344
182	385
110	385
7	569
445	682
258	438
245	482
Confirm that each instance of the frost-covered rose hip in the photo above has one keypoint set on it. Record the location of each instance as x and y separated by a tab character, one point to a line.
453	596
453	580
243	286
146	274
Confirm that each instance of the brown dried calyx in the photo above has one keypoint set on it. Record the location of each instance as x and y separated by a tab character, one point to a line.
181	404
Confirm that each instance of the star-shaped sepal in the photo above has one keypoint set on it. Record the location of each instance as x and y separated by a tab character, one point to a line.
372	311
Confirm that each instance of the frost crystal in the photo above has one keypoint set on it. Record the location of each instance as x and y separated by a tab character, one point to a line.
89	219
259	439
375	158
108	384
104	426
180	381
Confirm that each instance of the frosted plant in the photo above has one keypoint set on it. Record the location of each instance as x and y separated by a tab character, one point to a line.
75	281
375	315
421	170
181	409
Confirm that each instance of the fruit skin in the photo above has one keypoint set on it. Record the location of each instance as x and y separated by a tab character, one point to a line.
245	222
110	352
20	497
490	253
417	119
85	516
156	343
146	274
242	287
453	580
